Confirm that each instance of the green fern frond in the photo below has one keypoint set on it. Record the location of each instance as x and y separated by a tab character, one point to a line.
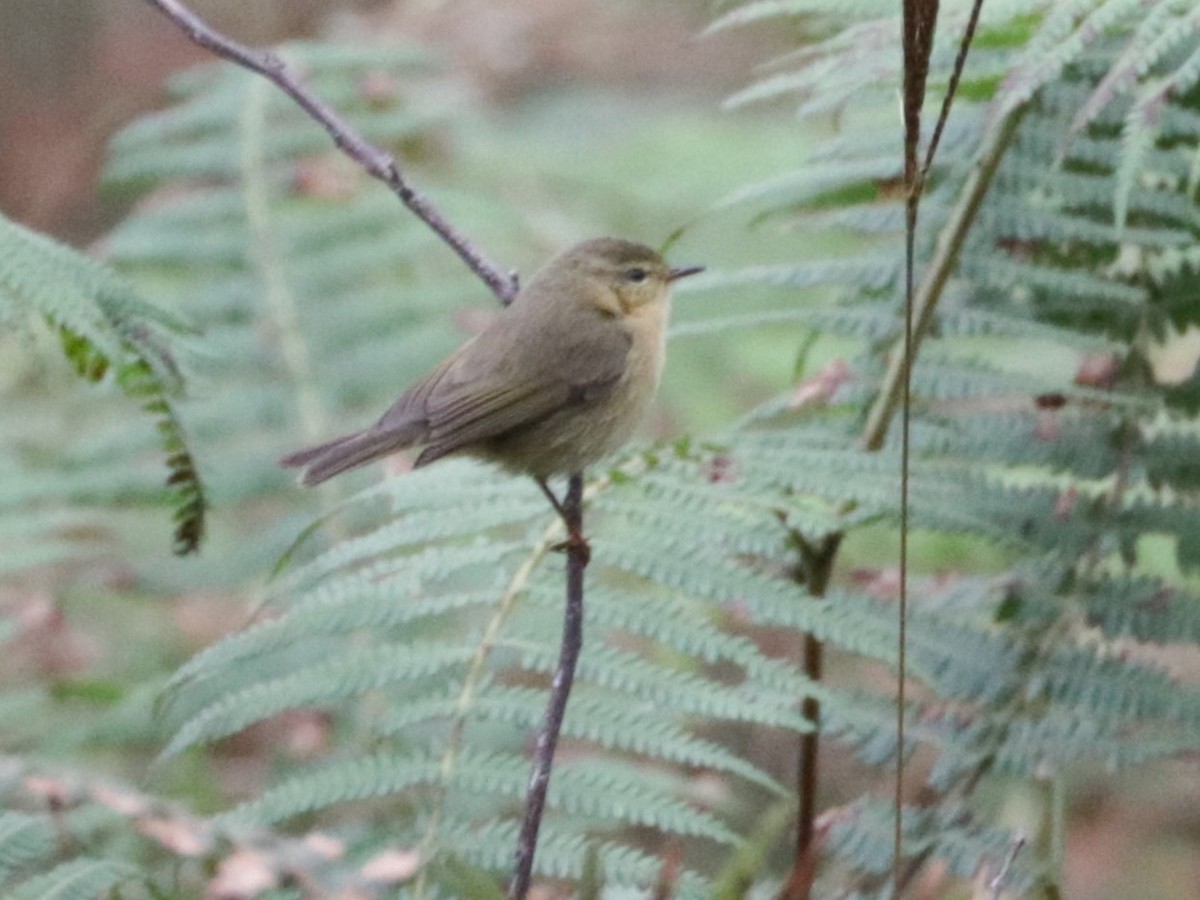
107	330
334	679
363	777
24	840
760	10
78	879
264	222
1054	742
1142	608
588	791
195	137
1124	691
598	717
342	609
1139	135
1064	37
947	834
815	182
562	855
1135	59
429	624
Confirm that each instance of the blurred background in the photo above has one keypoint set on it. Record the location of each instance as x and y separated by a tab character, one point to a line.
585	117
73	71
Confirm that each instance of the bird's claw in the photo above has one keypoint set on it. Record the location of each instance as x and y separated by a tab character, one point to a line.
575	543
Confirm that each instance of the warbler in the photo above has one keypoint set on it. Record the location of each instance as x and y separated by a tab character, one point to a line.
559	379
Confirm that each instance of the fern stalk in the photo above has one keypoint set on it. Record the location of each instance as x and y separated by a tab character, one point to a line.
941	266
813	572
265	253
465	702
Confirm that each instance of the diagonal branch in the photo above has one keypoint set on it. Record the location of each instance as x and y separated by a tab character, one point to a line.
937	273
960	63
376	162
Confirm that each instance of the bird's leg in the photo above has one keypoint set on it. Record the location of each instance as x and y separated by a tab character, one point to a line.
558	508
575	539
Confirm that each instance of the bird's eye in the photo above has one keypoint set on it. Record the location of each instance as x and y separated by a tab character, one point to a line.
636	275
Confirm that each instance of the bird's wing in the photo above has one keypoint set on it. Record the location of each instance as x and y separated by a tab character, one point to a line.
412	407
494	402
478	414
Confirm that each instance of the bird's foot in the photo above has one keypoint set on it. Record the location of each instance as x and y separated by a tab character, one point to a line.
575	543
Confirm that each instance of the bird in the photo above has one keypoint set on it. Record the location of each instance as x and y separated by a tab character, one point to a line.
558	380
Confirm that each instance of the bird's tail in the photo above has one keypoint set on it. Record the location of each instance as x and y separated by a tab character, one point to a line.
324	461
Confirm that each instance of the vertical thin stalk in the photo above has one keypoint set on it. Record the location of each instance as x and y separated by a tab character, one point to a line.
992	147
560	690
1056	812
265	254
814	570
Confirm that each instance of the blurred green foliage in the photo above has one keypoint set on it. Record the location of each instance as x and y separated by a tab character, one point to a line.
409	630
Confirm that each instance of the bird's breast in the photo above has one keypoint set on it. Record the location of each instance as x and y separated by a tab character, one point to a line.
578	436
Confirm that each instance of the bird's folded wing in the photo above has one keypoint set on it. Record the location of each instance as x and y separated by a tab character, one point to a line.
476	393
413	403
469	416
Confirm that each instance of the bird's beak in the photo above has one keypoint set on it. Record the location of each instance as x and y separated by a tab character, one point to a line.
683	272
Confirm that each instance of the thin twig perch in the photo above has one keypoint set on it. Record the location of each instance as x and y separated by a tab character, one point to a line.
560	690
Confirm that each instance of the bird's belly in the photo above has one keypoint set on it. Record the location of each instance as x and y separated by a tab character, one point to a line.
574	438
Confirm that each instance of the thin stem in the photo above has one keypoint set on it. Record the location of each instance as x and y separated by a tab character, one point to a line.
814	571
264	251
560	690
902	608
937	273
920	22
472	684
960	62
376	162
806	780
554	501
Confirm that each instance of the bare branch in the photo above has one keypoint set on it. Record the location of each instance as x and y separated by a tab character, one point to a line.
571	511
376	162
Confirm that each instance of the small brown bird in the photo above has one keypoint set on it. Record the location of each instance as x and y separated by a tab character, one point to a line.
558	380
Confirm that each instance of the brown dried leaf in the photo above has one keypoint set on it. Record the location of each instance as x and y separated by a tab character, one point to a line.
126	803
1098	370
391	866
329	178
325	846
822	387
242	876
181	837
